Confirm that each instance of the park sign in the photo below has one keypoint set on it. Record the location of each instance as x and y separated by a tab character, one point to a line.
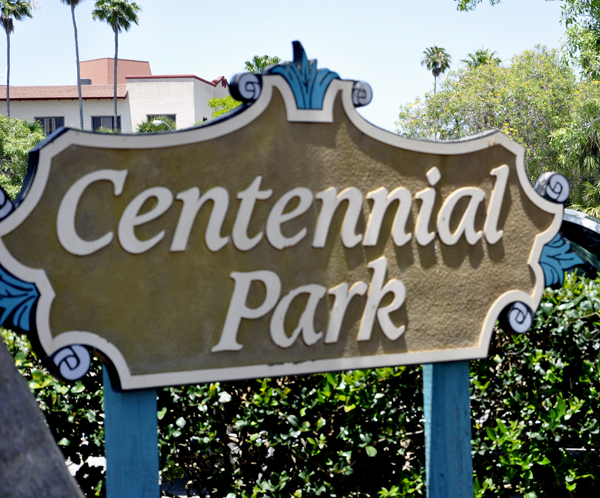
290	236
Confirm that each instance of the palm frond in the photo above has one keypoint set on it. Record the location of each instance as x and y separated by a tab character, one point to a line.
119	14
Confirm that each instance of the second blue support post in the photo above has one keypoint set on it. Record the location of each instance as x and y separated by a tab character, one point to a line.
449	465
130	442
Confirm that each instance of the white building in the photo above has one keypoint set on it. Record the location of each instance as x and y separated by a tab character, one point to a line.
140	95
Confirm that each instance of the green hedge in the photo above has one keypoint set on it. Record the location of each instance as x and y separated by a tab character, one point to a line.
17	138
535	410
535	401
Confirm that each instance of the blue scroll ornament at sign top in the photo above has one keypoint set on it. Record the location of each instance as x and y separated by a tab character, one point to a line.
308	84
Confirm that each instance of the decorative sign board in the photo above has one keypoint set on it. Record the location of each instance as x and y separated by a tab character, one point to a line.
290	237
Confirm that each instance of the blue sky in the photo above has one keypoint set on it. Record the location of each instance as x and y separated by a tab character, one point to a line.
380	42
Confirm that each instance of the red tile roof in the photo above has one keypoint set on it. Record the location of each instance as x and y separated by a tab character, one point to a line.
63	92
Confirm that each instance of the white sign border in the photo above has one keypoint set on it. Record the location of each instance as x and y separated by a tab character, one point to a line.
225	127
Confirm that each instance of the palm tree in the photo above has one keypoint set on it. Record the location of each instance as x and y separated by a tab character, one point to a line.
10	11
258	63
437	60
480	57
73	4
119	14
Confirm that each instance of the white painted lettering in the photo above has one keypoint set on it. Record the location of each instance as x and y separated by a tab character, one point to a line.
381	202
131	219
427	198
65	220
467	223
330	202
343	296
377	292
238	308
492	234
241	240
277	217
192	202
306	324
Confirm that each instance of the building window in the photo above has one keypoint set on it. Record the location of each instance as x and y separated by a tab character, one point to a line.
152	117
51	124
105	122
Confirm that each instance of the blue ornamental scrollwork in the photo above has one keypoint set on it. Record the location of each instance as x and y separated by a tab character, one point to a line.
557	257
17	300
6	205
308	83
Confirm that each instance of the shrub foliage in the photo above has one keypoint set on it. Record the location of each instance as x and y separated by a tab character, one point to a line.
17	137
535	409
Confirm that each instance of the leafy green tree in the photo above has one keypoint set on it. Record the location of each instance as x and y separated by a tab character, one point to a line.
17	137
465	5
528	100
437	60
259	63
582	41
10	11
222	105
481	56
148	126
73	4
120	15
578	146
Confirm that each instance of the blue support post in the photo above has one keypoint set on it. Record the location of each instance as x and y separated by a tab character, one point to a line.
130	442
449	465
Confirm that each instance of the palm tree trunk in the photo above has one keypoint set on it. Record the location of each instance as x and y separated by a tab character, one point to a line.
434	83
116	54
78	73
8	74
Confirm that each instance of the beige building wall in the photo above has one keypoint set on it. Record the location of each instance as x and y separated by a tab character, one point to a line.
161	96
202	94
183	96
186	97
69	109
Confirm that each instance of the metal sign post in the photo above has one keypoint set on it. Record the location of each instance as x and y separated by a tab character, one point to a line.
130	442
448	461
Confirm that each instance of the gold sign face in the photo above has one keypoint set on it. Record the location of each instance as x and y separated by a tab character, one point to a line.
279	241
